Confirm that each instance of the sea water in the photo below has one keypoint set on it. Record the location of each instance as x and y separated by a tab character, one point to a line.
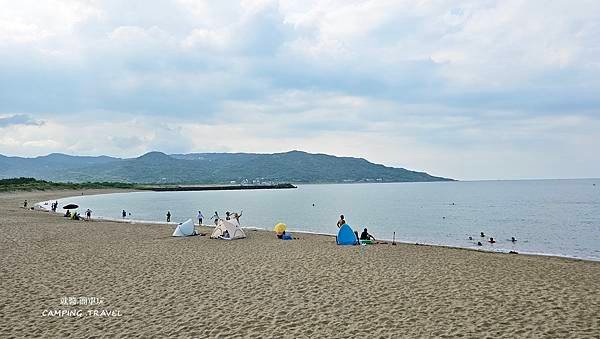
553	217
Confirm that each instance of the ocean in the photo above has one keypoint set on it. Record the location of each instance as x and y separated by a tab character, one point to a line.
549	217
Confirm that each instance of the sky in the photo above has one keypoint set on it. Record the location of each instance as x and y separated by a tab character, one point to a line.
472	90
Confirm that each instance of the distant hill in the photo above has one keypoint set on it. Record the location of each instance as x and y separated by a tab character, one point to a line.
208	168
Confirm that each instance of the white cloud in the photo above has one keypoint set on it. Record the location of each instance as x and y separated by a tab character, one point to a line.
425	85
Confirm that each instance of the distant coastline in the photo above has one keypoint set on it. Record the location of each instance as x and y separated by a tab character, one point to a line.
218	188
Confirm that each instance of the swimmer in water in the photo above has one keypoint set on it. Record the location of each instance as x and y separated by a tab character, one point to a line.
492	240
482	235
513	239
479	243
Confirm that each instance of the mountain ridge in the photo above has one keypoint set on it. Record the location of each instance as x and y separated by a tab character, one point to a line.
209	168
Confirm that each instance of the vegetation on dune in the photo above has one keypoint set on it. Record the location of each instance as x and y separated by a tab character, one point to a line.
32	184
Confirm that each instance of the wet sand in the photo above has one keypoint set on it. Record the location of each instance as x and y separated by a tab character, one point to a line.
153	285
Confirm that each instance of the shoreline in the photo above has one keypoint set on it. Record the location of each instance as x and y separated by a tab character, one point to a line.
262	229
153	285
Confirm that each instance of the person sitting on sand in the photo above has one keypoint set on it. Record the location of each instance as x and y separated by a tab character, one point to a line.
286	236
366	236
492	241
226	235
341	221
68	214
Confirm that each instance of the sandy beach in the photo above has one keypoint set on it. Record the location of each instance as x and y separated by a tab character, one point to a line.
135	280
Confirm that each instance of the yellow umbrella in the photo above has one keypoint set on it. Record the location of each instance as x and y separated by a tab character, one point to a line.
280	228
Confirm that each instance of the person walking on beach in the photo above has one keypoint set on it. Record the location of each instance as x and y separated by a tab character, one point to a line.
341	221
168	216
123	214
200	217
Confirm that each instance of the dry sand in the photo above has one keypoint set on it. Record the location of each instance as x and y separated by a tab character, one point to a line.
262	287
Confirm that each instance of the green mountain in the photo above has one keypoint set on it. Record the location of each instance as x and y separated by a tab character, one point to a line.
208	168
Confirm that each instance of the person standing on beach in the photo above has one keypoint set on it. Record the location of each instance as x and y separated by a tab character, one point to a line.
168	216
25	204
215	217
341	221
200	217
123	214
237	216
88	214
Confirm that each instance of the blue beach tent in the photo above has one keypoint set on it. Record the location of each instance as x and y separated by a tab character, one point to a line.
346	236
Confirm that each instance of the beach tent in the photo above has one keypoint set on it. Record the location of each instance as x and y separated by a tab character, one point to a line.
231	226
346	236
184	229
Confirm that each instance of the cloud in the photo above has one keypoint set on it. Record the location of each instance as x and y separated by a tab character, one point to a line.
18	119
423	85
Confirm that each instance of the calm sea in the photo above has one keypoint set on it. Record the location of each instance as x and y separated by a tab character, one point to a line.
554	217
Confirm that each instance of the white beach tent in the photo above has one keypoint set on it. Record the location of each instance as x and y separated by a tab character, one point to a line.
185	229
228	226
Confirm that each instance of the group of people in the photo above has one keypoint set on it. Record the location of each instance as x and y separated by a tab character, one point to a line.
491	240
76	216
215	217
365	235
228	216
72	216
